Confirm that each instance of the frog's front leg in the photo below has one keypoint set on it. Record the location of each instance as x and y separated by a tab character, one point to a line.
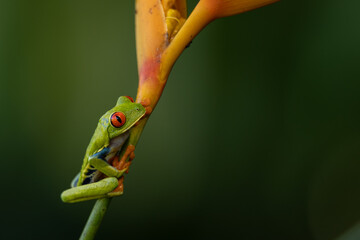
105	167
90	191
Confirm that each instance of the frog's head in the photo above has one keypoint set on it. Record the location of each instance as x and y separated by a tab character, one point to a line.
112	130
122	117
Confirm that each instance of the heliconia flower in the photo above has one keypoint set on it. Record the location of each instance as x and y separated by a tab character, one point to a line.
157	23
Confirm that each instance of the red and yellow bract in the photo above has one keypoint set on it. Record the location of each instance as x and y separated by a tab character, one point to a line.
157	52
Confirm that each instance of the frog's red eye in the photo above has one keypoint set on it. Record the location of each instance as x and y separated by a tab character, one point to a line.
117	119
130	98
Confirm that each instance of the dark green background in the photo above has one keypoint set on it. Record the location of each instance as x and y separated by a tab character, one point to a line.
256	135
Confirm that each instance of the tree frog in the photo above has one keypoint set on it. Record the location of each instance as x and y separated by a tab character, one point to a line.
98	177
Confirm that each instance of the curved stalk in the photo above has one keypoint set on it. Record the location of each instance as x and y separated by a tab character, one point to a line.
95	219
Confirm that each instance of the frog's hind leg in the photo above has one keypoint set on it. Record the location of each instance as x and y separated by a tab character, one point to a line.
90	191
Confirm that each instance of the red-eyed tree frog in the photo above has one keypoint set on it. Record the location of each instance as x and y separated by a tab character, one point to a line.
101	174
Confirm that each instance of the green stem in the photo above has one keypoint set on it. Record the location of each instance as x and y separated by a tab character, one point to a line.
95	219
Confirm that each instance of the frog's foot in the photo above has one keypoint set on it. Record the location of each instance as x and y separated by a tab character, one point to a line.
123	165
146	104
148	110
90	191
119	189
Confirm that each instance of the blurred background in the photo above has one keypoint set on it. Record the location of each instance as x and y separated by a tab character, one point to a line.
256	136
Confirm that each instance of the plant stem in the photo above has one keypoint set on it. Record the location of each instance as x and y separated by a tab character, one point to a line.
95	219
